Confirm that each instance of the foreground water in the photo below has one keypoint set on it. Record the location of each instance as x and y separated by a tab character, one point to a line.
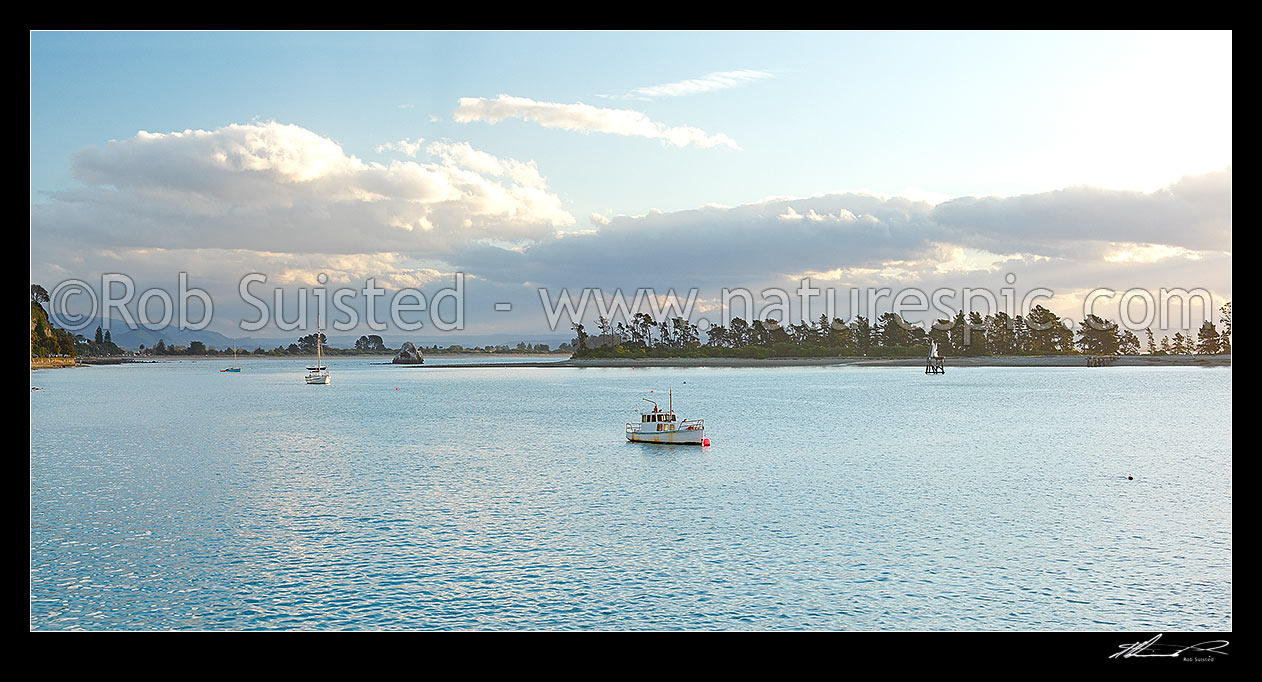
172	496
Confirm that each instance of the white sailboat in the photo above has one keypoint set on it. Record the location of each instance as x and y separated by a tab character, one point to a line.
319	374
235	367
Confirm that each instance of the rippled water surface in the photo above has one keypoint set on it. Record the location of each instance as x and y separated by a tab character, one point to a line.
172	496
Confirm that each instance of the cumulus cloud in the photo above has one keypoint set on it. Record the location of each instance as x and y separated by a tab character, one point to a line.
841	216
289	202
893	243
584	118
283	188
1194	213
718	80
1085	235
406	146
463	155
790	215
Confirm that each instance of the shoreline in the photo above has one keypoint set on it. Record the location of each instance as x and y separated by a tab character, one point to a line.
51	363
982	361
250	356
987	361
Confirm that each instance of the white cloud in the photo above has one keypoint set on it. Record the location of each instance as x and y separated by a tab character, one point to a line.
282	188
1071	238
584	118
842	216
718	80
1148	253
406	146
790	215
1193	213
464	155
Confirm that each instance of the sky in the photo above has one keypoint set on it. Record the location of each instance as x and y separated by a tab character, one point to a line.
526	160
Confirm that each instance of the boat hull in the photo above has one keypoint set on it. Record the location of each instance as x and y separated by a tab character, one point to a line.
676	437
324	379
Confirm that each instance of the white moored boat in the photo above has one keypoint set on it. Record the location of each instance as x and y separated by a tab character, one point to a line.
235	367
318	374
663	426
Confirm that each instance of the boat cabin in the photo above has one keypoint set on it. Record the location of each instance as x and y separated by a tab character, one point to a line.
657	420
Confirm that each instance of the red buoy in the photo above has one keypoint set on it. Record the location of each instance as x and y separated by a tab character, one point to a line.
705	442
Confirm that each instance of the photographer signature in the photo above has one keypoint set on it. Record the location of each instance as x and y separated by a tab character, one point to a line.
1155	650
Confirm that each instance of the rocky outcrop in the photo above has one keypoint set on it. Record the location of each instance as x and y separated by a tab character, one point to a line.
408	355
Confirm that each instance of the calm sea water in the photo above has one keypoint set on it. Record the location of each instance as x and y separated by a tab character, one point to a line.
172	496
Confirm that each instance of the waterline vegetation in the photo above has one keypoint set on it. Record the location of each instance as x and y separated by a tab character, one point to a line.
1041	332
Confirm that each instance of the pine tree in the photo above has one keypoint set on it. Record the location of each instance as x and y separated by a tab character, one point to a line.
1098	337
1001	334
1020	335
1047	333
1128	343
1179	346
957	333
862	330
1208	342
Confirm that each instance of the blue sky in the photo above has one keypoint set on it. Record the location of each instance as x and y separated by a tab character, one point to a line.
929	116
950	113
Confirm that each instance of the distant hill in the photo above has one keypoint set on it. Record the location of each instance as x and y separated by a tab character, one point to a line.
174	337
132	339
